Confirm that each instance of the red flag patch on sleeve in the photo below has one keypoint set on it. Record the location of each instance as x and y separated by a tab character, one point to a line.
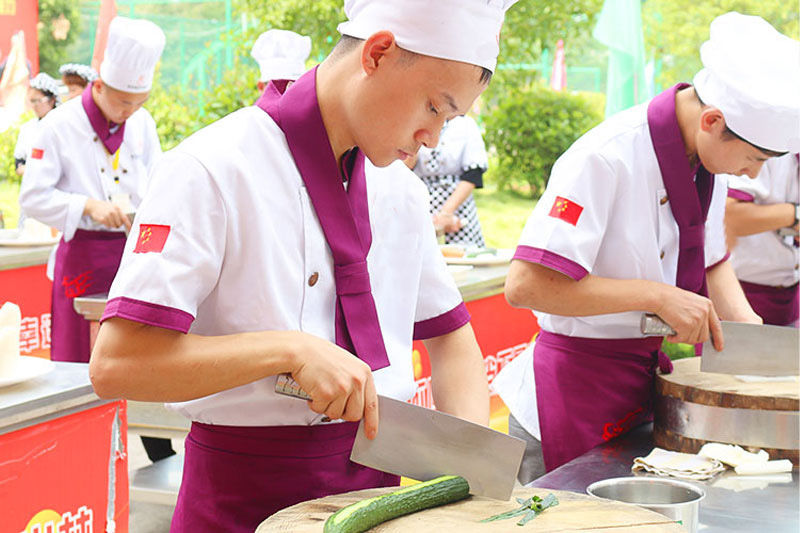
37	153
566	210
152	238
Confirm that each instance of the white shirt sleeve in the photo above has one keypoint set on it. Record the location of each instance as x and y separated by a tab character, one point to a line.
715	248
566	228
474	154
39	196
154	285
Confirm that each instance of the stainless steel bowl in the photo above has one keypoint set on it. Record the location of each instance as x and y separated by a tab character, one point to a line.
672	498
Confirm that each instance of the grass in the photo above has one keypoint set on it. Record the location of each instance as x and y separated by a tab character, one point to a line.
9	206
502	213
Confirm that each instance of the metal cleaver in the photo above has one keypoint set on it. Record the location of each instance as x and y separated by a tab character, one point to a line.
422	444
753	349
750	349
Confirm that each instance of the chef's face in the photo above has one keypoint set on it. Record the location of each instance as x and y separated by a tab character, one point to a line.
117	106
721	152
40	102
405	100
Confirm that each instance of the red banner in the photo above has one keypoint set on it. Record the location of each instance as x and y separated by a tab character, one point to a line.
30	289
54	476
18	15
502	331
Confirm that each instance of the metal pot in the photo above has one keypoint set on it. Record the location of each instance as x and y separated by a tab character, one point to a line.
675	499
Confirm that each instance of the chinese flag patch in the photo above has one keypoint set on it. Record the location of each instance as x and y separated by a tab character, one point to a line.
566	210
37	153
151	238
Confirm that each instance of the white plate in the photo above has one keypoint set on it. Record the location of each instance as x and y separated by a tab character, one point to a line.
10	237
500	257
27	368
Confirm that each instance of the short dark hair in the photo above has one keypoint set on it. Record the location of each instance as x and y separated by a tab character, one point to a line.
348	43
730	134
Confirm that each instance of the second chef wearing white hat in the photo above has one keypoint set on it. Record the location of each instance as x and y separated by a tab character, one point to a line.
631	222
281	55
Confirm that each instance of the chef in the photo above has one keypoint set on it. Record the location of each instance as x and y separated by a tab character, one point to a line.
86	174
631	222
281	55
75	78
43	98
288	238
762	221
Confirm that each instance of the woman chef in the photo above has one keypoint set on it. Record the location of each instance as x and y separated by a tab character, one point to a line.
43	98
76	77
631	222
287	238
86	173
761	218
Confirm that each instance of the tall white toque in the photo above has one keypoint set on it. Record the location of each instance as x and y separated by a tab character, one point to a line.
459	30
281	54
752	75
134	47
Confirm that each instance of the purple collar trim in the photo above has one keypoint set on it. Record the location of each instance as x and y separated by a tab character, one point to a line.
343	214
112	141
689	200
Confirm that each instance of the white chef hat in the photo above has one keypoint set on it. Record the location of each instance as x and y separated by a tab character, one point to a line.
84	71
281	54
133	49
752	75
44	83
460	30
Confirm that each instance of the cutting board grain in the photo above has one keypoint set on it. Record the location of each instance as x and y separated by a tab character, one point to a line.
575	512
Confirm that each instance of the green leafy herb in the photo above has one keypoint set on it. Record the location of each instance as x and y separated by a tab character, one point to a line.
530	508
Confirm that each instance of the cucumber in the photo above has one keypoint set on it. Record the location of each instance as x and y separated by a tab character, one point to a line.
368	513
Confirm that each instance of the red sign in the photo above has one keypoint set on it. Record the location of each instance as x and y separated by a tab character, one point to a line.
30	289
22	15
502	331
56	474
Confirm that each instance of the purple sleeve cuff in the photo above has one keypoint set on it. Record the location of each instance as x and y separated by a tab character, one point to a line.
442	324
148	313
736	194
725	258
552	261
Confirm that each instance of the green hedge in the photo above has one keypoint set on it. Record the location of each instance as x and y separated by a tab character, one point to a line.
531	127
8	141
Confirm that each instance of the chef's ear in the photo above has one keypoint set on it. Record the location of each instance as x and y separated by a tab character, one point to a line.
376	49
712	121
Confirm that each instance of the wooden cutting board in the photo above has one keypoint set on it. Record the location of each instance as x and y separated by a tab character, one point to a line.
575	512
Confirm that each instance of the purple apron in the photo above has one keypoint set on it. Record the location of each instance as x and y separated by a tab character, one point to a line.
779	306
85	265
591	390
235	477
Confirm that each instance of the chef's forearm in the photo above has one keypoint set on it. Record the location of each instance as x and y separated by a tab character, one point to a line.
726	293
534	286
139	362
459	195
459	375
748	218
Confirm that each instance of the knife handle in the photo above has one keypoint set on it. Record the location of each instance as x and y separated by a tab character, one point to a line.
654	325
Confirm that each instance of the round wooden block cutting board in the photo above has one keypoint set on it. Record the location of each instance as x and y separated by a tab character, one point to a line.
575	512
694	407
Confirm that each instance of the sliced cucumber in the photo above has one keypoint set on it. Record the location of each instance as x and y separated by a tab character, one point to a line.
368	513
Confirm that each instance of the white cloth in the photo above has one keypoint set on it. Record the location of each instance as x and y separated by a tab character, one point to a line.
281	54
74	166
133	49
10	322
459	30
27	132
516	386
676	464
766	467
752	75
731	454
624	230
765	258
245	241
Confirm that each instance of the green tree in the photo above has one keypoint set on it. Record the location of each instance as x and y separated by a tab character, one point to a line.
675	29
59	24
